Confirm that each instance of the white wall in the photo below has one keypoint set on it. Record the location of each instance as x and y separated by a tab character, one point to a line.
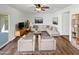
46	17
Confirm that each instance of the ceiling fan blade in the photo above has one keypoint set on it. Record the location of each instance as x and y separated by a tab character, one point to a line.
37	5
46	7
42	9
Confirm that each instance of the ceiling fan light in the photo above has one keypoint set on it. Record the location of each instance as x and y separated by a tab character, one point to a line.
38	9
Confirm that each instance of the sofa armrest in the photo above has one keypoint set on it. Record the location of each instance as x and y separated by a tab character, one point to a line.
53	32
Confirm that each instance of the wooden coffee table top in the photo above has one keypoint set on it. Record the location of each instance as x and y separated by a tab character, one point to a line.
37	32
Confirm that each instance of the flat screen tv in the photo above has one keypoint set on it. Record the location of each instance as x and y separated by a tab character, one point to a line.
21	25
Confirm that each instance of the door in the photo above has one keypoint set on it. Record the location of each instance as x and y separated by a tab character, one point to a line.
65	23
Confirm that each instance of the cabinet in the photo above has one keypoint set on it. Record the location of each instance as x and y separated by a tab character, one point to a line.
22	32
75	29
75	25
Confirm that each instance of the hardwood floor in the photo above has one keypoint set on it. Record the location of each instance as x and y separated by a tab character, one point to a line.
63	48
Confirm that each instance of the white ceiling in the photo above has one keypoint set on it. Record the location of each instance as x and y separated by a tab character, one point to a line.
30	8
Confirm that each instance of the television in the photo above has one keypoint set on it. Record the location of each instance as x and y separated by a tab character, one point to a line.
21	25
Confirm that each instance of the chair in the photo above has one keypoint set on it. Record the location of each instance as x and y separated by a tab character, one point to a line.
27	43
46	42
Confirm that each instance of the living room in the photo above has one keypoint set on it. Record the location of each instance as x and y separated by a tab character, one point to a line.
54	21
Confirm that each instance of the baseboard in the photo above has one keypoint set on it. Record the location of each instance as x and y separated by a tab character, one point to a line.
65	38
4	45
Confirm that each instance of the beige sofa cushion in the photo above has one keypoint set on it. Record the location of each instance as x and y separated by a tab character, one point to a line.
52	31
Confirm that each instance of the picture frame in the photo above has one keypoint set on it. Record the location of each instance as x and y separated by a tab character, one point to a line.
55	20
38	20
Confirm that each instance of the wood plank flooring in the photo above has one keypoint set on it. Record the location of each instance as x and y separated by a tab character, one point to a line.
63	48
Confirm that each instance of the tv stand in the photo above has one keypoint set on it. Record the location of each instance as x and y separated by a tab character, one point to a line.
22	32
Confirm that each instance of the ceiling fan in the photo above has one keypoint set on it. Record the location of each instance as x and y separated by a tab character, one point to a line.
41	7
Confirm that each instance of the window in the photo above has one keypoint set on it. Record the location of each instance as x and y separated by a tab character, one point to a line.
6	22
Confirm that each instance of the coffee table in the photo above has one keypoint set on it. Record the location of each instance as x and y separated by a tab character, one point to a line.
37	33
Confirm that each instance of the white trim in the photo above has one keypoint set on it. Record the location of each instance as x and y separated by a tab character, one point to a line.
4	44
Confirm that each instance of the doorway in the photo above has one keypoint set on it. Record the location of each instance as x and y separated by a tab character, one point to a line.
3	30
65	23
